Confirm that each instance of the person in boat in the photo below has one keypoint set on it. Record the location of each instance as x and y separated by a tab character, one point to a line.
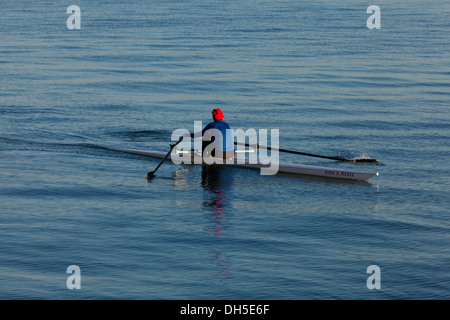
223	148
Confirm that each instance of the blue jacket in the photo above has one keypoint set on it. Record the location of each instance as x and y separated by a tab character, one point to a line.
228	139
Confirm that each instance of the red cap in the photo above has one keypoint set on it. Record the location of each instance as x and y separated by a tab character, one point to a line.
217	114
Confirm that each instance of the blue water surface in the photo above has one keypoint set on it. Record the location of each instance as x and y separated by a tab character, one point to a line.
137	70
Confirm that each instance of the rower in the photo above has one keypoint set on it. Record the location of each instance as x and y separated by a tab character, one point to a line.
216	148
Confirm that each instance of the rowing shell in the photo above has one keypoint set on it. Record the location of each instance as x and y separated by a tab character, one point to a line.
285	167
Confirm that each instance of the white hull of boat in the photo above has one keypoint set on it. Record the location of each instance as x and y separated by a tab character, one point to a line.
284	167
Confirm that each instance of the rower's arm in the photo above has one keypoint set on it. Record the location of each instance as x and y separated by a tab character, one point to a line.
193	135
201	133
197	134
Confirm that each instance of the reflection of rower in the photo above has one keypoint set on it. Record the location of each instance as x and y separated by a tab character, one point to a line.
222	148
217	181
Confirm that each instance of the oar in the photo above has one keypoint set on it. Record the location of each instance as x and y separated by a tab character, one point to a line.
151	174
255	146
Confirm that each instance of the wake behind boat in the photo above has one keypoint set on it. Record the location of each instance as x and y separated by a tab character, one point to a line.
283	167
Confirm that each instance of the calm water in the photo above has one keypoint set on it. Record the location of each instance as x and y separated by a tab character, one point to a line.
137	70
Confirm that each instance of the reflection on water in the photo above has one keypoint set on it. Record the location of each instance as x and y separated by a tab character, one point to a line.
217	182
222	262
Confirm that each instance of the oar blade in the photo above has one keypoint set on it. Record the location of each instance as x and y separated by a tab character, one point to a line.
365	160
150	175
